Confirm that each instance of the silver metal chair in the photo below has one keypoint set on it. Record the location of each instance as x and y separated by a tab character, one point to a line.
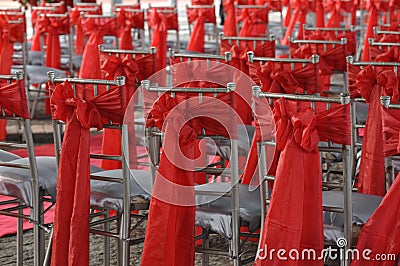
20	178
122	190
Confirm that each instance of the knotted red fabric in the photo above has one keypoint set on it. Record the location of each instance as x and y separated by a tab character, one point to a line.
53	27
390	55
170	227
254	22
196	41
230	20
134	71
71	222
372	22
300	12
294	219
279	77
371	85
96	29
381	233
126	21
159	24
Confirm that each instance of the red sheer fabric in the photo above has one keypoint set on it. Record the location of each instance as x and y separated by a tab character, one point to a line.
230	20
371	84
299	15
170	226
239	52
381	233
134	70
71	222
254	22
76	20
331	58
126	21
279	77
201	74
96	28
53	27
385	55
294	219
158	22
199	17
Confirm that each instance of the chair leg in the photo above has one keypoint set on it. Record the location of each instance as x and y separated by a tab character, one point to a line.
205	257
107	241
20	239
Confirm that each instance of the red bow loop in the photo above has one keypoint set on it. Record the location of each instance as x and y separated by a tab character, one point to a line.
365	82
284	80
305	133
123	65
390	84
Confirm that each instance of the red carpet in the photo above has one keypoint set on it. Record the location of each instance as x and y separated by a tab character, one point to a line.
8	225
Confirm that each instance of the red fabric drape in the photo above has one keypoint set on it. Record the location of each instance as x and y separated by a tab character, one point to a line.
6	45
53	26
13	99
294	219
381	233
76	20
372	22
134	70
390	55
320	14
371	85
170	226
278	77
201	73
230	20
196	41
159	25
71	222
331	58
126	21
96	29
390	131
254	22
300	11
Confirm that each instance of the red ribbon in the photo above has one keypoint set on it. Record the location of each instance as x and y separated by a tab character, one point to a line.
159	24
71	222
230	21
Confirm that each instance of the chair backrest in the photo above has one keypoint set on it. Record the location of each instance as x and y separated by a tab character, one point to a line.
134	18
333	137
304	71
387	34
370	92
116	6
377	49
107	25
261	46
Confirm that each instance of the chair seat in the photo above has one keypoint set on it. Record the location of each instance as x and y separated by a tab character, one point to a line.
108	195
214	212
6	156
364	206
17	182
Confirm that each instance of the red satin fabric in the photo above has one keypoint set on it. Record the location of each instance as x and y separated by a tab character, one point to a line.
334	36
13	99
6	46
53	27
76	20
158	22
230	20
372	22
300	11
134	70
71	222
126	21
202	2
254	22
390	55
201	74
294	219
196	41
390	131
381	233
278	77
371	84
170	227
96	28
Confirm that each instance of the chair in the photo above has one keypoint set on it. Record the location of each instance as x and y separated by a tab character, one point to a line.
118	190
130	18
171	16
383	51
221	199
202	24
135	65
332	56
362	87
19	179
304	178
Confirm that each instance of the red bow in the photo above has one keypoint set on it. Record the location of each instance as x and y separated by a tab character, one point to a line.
158	23
13	99
71	224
